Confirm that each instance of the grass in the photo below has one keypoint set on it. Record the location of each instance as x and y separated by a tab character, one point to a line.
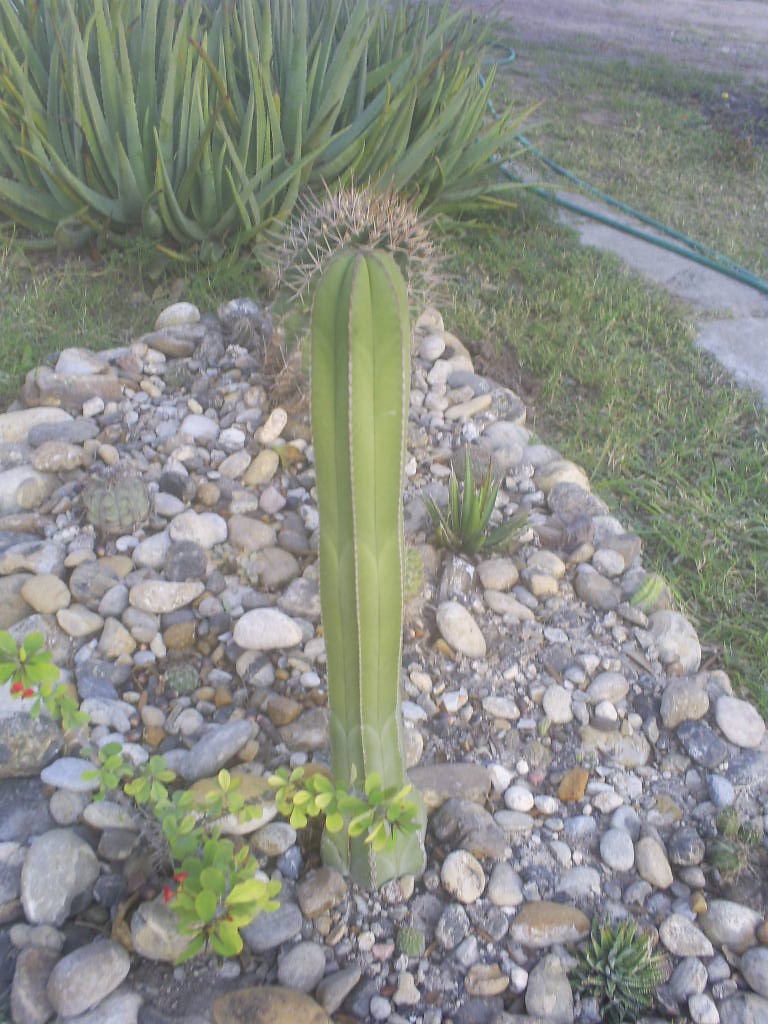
616	385
682	146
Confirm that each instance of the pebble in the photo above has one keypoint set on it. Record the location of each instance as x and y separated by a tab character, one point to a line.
616	850
557	704
548	995
683	938
754	969
266	629
731	924
84	977
459	629
302	967
739	722
462	876
59	869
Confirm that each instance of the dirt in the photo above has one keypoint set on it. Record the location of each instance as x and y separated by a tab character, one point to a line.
727	36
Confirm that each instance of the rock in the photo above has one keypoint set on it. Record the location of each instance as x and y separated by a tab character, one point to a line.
610	686
320	891
161	596
207	529
548	996
262	469
462	823
59	869
79	622
518	798
701	744
501	707
308	732
754	969
683	699
440	782
484	980
596	590
616	850
57	457
731	925
155	933
459	629
747	1009
407	993
677	642
46	593
462	876
452	926
248	534
176	315
122	1007
703	1010
683	938
216	749
82	979
688	978
557	704
27	744
15	426
67	773
573	785
13	605
686	847
36	556
543	923
185	560
273	929
301	967
560	471
267	1005
29	999
579	883
24	488
23	809
497	574
333	990
266	629
652	864
739	722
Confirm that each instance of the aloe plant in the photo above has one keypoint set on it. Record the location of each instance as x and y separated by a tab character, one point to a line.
198	123
360	369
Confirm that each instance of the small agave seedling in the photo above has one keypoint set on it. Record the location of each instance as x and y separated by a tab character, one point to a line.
360	384
465	524
619	968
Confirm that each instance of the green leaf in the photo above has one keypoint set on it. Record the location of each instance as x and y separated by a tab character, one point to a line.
334	822
246	892
224	779
7	645
226	940
213	879
33	642
206	903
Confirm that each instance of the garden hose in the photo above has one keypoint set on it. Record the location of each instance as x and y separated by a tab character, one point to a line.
673	241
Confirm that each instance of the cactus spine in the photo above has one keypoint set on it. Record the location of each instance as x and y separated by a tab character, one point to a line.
360	369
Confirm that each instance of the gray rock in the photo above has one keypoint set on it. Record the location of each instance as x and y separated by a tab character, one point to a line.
754	969
185	560
452	926
27	745
155	932
505	888
216	748
721	791
308	732
122	1007
549	995
60	869
688	978
82	979
90	581
702	1009
302	967
748	1009
686	847
268	931
683	699
29	999
162	596
67	773
739	722
677	642
204	528
459	629
616	850
333	990
462	876
266	629
302	599
701	744
683	938
596	590
749	768
652	864
731	925
23	810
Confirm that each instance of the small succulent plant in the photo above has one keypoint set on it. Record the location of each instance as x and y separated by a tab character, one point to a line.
414	573
183	678
465	524
733	850
117	503
619	968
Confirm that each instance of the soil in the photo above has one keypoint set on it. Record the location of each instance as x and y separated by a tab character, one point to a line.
727	36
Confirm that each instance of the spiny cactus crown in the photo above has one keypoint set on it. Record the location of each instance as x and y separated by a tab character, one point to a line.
324	225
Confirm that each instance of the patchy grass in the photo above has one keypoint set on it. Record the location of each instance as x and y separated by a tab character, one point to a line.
616	384
50	303
685	147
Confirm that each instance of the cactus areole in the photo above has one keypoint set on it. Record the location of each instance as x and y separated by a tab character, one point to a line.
360	361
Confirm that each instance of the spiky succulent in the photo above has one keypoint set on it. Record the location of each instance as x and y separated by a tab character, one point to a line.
620	969
465	524
324	225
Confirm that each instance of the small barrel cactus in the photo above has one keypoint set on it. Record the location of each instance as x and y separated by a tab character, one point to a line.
651	595
183	678
117	504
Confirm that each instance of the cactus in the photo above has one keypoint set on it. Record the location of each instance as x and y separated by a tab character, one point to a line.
410	941
182	677
360	381
414	574
651	595
117	504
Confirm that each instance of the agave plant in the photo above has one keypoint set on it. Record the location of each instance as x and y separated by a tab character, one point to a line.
465	524
199	122
620	969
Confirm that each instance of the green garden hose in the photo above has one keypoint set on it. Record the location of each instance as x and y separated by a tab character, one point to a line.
674	241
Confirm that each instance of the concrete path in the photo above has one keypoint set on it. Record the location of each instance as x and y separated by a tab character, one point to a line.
732	317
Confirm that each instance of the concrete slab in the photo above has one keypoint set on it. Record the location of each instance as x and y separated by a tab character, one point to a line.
732	317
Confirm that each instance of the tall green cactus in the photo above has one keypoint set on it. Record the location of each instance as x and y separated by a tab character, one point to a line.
360	386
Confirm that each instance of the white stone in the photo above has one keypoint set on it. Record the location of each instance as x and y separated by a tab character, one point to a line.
462	876
501	707
557	704
266	629
459	629
204	528
67	773
617	850
161	596
274	426
200	428
176	315
683	938
518	798
14	426
739	722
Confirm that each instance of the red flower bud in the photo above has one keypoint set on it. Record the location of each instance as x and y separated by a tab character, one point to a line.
17	687
29	692
167	894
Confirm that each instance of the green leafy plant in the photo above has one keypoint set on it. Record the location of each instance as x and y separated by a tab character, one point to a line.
380	815
465	524
619	968
198	124
360	382
31	672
